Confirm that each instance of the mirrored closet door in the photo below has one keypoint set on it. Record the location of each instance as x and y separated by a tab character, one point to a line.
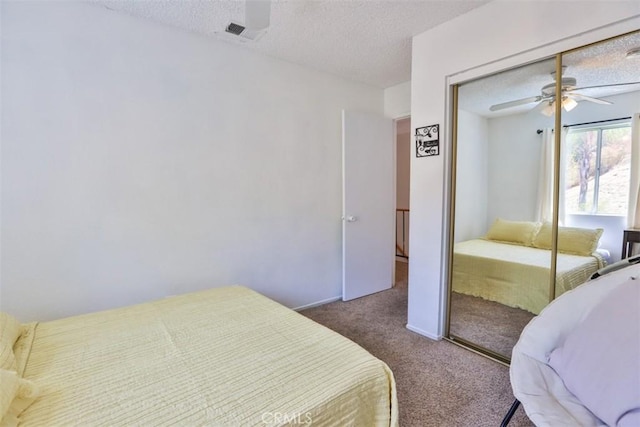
535	188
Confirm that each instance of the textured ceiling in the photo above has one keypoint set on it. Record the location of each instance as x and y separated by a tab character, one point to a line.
363	40
599	64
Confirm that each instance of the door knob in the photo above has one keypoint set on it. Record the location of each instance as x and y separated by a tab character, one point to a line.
352	218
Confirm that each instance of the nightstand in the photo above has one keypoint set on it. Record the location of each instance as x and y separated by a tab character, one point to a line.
629	237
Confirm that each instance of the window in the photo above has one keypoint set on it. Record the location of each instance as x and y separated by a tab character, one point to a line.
598	170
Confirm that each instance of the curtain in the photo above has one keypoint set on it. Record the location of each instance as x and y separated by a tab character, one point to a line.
633	215
545	178
563	168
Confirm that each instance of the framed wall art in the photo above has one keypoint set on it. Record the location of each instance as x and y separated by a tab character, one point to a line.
428	141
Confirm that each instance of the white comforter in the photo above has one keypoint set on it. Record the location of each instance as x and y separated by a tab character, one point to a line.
541	391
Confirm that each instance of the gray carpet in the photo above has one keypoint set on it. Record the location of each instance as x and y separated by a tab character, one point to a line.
487	323
439	383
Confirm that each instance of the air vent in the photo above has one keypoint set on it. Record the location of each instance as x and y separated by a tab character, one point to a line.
234	28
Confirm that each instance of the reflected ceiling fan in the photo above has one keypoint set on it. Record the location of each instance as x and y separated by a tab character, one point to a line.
570	97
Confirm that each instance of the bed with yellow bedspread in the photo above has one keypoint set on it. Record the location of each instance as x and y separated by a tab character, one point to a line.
223	357
514	275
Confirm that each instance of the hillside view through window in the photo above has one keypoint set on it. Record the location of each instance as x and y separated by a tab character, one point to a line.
598	170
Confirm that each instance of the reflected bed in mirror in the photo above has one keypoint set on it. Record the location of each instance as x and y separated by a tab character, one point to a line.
501	280
511	265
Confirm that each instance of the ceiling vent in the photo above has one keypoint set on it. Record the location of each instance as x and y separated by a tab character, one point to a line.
243	33
234	28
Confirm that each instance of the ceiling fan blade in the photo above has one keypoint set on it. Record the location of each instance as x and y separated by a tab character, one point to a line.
580	97
515	103
610	85
257	14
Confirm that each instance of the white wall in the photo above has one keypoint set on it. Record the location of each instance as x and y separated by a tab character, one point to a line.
140	161
490	38
397	100
472	176
516	149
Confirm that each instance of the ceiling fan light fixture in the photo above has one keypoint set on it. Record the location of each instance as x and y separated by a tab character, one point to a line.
549	109
569	103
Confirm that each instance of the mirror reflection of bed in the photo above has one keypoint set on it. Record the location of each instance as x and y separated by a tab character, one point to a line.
501	280
501	267
496	177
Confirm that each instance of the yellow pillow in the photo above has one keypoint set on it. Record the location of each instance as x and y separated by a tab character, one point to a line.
10	330
542	240
571	240
16	394
518	232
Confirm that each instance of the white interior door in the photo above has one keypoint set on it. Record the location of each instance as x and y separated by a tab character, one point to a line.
368	231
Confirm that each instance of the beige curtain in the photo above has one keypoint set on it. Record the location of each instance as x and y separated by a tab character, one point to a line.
545	178
633	215
563	168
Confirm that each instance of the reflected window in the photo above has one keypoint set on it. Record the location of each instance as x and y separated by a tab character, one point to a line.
598	170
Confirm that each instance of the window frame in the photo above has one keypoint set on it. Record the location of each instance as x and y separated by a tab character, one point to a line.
599	127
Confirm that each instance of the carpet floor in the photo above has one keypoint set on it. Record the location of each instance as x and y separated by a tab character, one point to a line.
439	383
489	324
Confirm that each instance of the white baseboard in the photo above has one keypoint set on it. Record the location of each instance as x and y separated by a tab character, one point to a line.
317	303
424	333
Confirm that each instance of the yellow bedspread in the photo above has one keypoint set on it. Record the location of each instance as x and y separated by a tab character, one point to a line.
517	276
224	357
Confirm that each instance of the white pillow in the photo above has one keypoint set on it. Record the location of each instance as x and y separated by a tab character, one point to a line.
599	362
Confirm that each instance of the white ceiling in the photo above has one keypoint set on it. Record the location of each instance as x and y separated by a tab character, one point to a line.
370	41
363	40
